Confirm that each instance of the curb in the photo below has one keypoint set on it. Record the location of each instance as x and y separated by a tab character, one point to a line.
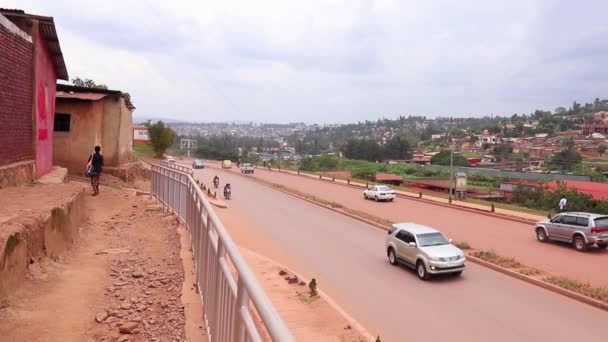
217	203
547	286
351	321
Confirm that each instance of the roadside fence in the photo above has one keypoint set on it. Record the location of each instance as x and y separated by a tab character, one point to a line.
235	306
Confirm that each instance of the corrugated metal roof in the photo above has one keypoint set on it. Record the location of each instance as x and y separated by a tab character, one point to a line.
49	35
81	96
68	88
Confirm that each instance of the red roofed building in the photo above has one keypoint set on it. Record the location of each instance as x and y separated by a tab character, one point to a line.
598	191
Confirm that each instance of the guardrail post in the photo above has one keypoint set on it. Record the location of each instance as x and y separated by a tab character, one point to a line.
320	176
348	181
242	300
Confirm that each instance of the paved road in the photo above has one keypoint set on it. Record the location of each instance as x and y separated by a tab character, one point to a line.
506	237
348	261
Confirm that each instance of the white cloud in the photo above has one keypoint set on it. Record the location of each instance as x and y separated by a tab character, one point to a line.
335	61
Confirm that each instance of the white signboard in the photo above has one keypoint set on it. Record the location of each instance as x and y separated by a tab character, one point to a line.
140	134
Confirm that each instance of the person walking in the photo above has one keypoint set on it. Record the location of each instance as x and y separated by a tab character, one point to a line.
95	167
563	203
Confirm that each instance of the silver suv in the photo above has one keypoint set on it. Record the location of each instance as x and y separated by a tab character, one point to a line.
424	249
582	230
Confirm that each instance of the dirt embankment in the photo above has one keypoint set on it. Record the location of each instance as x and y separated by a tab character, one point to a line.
122	281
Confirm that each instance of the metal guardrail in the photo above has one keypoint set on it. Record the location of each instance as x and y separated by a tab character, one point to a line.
228	289
178	167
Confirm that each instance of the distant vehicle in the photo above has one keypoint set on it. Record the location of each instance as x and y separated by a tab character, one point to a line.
247	168
226	164
169	159
424	249
198	164
582	230
379	193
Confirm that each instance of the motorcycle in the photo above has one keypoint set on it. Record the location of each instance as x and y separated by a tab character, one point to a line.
227	193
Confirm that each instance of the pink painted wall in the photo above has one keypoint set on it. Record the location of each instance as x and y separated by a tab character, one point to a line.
45	79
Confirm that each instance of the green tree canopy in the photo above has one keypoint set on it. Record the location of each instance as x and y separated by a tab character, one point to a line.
443	158
566	159
79	82
161	137
502	151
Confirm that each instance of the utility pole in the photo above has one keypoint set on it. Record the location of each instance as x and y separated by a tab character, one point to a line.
451	169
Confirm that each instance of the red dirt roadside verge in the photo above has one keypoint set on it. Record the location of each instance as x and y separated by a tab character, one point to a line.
122	280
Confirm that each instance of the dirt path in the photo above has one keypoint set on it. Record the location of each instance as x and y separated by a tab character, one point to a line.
124	273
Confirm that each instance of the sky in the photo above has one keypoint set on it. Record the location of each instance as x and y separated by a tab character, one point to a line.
335	61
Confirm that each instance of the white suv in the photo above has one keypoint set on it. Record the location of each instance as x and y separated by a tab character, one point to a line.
424	249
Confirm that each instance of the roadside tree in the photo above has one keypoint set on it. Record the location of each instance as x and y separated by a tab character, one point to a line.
161	137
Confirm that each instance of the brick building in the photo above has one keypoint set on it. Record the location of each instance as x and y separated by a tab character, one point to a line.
30	64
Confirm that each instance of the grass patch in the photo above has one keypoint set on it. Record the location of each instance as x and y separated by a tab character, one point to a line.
462	245
491	256
144	149
599	293
307	298
529	271
367	216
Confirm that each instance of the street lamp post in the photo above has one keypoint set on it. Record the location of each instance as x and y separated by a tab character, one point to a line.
451	170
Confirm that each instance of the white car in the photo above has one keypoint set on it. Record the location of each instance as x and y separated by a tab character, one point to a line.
379	193
424	249
169	159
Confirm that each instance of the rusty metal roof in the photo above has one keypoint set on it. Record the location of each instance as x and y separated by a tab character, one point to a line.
81	96
68	91
48	34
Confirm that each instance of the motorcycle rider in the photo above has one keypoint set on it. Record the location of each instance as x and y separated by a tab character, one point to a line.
227	190
216	181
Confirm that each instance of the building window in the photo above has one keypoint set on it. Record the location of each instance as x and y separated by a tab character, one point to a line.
62	122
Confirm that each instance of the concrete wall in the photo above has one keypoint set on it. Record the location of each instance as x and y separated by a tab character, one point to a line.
45	79
16	74
117	131
72	149
125	149
111	130
17	174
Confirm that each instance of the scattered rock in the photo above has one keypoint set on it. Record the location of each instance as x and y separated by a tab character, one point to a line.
126	306
123	338
282	272
137	274
302	283
127	328
112	251
100	317
292	280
